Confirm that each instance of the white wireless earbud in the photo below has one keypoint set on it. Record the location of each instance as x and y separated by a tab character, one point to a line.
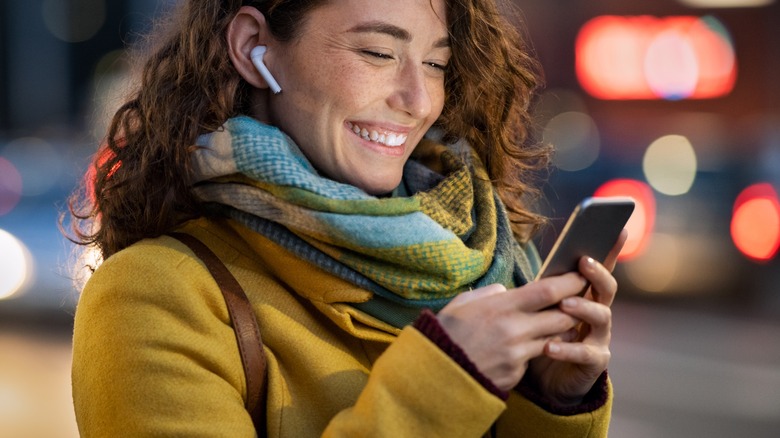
257	59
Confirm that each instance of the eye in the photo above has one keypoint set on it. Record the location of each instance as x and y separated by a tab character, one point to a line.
442	67
377	54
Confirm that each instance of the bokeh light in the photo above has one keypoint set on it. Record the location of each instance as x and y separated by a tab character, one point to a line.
755	224
111	85
656	271
640	225
674	263
670	165
608	63
726	3
576	139
555	101
670	66
39	163
645	57
74	21
15	265
716	57
10	186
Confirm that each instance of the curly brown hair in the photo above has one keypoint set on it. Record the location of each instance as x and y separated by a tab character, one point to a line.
490	85
138	185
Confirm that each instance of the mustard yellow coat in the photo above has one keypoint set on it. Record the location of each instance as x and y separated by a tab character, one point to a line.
154	354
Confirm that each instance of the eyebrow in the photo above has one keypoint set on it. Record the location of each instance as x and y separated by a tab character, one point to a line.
393	31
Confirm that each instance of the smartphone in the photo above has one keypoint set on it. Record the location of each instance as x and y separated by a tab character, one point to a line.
592	230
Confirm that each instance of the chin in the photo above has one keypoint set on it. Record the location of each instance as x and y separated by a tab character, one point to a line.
380	188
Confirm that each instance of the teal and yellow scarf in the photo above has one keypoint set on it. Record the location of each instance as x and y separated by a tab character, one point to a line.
444	230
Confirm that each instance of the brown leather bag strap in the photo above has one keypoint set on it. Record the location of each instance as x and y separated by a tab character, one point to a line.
250	345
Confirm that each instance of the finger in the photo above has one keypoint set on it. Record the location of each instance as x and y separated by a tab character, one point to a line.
603	286
612	257
598	318
594	357
544	293
548	325
472	295
570	335
506	375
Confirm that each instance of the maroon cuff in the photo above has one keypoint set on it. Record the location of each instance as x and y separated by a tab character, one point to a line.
594	399
428	324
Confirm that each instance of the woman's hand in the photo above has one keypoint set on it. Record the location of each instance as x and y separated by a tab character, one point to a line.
574	360
501	331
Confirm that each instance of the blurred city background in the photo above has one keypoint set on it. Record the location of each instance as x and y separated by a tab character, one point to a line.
673	102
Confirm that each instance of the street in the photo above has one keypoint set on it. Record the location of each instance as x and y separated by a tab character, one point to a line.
682	374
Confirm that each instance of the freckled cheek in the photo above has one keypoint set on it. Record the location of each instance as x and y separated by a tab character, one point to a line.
355	95
365	83
437	94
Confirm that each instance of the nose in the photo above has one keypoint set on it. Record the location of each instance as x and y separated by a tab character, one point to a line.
413	93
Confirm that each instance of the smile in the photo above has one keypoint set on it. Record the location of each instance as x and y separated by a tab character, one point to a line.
392	139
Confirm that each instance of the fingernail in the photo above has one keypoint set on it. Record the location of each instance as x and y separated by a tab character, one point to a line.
554	348
569	302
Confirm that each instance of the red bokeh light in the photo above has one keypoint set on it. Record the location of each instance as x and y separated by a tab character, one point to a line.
10	186
640	225
645	57
755	224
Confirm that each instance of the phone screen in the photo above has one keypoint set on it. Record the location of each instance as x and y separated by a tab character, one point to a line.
592	230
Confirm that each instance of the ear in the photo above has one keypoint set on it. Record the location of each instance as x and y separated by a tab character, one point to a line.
247	30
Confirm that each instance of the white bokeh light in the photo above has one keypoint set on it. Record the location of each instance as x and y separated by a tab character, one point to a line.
15	265
671	66
656	270
670	165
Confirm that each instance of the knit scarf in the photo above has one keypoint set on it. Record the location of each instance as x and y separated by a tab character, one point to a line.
442	232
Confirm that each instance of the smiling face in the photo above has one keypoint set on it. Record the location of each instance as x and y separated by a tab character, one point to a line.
362	83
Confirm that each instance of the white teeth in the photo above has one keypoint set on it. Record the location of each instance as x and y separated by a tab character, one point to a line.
386	139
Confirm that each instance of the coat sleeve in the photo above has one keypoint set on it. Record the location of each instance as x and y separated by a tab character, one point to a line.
416	390
523	418
148	362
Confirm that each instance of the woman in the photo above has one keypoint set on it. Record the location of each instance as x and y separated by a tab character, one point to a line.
356	209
